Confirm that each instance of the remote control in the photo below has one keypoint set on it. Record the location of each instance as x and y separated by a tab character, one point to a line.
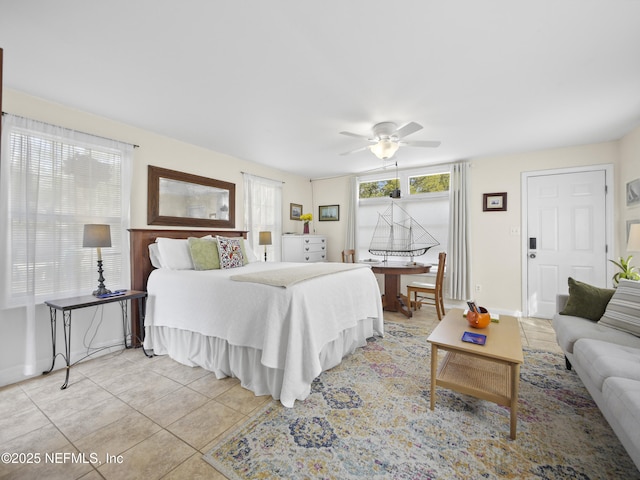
113	294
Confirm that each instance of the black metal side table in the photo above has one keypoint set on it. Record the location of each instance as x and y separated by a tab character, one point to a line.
67	305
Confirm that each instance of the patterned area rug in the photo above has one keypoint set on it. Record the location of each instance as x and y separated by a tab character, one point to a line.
370	418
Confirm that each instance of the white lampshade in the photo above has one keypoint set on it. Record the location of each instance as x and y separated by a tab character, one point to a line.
633	245
264	238
96	235
384	149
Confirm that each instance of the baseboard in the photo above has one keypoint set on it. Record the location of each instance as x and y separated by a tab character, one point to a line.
500	311
15	374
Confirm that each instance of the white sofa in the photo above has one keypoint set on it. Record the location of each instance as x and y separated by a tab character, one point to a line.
607	361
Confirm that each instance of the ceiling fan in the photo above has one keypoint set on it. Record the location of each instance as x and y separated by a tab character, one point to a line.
387	138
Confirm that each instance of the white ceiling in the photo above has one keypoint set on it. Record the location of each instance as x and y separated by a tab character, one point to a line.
274	81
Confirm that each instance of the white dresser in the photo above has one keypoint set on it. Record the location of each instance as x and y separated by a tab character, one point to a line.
304	248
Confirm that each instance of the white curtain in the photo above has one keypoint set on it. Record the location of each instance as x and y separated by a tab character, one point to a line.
351	233
263	213
458	256
53	181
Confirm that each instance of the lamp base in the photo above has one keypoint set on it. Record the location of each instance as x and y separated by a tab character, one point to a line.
101	290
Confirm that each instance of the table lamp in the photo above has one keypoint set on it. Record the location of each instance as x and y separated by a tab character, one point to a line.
633	244
264	239
98	236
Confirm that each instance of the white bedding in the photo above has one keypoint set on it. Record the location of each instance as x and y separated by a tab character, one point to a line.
293	332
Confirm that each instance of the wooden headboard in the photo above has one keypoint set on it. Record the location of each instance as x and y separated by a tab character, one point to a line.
141	268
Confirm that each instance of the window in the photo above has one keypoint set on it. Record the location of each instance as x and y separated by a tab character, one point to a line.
263	213
432	183
377	188
54	181
424	196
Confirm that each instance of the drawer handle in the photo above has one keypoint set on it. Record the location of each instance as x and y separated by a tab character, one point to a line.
307	258
306	248
306	240
323	247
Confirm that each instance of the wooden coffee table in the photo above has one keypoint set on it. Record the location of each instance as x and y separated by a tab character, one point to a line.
489	372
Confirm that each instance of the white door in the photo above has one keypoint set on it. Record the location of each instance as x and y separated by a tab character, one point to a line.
566	236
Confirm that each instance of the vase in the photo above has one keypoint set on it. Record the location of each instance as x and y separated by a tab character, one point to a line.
480	319
306	228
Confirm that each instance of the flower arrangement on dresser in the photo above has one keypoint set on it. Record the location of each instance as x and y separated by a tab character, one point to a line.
306	218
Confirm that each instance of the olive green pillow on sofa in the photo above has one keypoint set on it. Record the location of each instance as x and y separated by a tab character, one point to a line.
586	301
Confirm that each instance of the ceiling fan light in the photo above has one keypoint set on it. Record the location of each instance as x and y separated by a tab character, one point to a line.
384	149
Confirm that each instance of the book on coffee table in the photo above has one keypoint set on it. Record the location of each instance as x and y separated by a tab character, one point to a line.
476	338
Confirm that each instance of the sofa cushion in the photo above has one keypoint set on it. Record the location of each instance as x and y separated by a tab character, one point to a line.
623	311
600	360
622	399
586	301
570	329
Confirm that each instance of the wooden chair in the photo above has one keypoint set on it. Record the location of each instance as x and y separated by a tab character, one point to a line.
434	292
348	256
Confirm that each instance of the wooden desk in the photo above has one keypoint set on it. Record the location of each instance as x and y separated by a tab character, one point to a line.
392	300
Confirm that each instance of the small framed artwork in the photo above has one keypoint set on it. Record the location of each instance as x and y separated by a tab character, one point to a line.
329	213
633	192
295	211
494	202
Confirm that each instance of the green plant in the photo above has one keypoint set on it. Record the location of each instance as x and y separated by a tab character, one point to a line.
627	270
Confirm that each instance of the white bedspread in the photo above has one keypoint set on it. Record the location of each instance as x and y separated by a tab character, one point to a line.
285	277
289	326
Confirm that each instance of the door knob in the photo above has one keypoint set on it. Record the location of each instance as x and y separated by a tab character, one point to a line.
532	255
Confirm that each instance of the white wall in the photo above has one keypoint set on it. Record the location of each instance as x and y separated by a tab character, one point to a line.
496	253
331	192
154	150
629	170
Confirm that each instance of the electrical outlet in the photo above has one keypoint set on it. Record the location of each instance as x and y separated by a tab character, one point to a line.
515	230
478	288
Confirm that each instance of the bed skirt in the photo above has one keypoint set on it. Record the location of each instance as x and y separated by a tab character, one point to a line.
224	360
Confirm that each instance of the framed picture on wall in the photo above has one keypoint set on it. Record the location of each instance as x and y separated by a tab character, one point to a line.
329	213
633	192
494	202
295	210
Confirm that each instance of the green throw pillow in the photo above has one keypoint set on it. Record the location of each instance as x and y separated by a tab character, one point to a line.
204	253
586	301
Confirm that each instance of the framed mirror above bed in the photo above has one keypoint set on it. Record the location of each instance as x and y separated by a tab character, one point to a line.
187	200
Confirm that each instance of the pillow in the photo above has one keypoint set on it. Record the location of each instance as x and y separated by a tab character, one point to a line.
174	253
154	255
230	252
623	311
586	301
204	253
246	256
249	255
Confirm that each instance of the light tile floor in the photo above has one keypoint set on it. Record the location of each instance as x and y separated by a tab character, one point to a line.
136	417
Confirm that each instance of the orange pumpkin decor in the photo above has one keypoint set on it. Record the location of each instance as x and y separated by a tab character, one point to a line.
479	320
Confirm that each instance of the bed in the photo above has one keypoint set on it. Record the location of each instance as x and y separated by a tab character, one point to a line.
274	326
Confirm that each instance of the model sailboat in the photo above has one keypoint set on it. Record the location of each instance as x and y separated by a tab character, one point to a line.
398	234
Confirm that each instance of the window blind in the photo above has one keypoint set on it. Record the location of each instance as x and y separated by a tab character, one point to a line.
54	181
